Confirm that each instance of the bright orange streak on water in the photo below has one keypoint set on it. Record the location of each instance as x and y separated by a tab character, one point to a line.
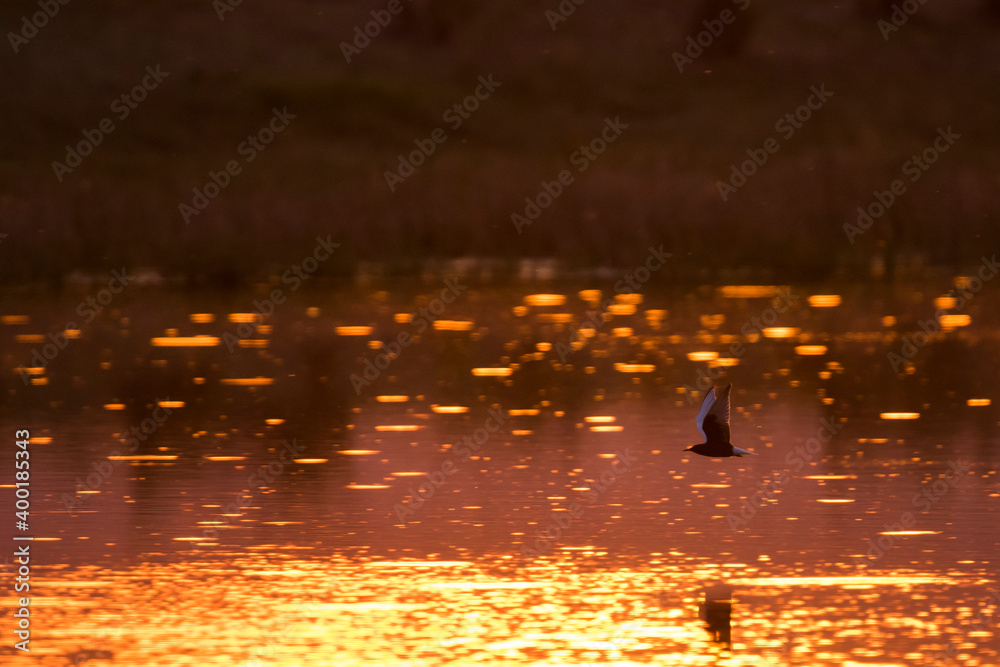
492	372
825	300
747	291
545	300
621	309
245	318
144	457
898	580
185	341
632	298
453	325
354	331
900	415
634	368
449	409
656	315
781	332
954	321
945	302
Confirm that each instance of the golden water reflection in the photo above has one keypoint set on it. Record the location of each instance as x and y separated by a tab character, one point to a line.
282	609
318	567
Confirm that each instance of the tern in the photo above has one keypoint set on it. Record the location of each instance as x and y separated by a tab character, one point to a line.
713	422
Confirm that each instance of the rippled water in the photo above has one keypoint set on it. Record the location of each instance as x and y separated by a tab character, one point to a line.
266	515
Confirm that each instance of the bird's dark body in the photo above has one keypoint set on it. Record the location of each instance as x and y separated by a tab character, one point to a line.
720	449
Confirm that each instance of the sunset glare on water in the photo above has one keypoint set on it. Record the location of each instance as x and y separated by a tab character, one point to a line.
536	333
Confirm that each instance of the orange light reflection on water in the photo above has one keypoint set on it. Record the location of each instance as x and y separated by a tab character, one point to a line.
185	341
275	609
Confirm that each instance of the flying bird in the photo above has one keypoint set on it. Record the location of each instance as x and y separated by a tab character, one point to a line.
713	422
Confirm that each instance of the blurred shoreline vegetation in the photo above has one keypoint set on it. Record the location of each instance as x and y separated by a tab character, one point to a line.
656	184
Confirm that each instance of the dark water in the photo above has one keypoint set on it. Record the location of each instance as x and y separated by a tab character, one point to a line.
257	506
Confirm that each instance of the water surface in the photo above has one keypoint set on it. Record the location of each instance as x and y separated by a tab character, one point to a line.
196	504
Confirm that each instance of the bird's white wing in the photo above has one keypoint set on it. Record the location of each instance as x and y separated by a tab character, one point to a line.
706	406
720	407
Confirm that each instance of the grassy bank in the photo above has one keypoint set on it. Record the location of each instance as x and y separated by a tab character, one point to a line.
656	183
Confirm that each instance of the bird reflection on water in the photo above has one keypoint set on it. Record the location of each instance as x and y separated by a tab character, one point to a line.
716	612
